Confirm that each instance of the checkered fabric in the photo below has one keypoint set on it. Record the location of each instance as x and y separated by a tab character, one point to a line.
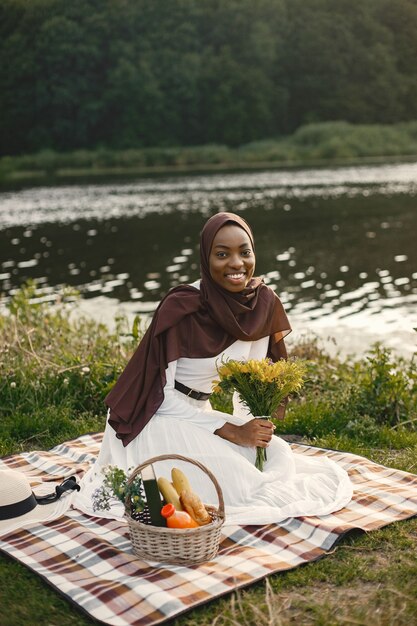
90	560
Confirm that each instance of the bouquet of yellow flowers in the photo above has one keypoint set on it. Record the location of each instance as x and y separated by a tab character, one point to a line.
262	386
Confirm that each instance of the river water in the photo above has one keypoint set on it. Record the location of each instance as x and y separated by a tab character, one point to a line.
337	244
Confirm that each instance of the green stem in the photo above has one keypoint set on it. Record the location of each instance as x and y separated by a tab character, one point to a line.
260	458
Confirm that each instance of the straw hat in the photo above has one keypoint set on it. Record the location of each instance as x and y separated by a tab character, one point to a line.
20	507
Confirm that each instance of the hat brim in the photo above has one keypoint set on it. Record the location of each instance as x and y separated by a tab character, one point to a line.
41	513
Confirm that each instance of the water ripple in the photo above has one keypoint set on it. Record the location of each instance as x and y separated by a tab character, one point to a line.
199	193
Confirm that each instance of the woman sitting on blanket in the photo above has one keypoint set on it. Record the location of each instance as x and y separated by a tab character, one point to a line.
160	404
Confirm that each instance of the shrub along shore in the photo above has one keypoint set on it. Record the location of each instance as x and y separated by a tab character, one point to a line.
54	374
320	144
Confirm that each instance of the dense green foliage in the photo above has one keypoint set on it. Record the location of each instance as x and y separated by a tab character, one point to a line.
124	74
372	400
337	142
55	371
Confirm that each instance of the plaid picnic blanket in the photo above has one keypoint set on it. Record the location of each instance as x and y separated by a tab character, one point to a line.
90	560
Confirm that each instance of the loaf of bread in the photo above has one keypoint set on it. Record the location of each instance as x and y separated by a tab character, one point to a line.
169	493
194	507
180	480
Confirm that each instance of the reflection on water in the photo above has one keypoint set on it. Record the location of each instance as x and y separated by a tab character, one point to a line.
205	194
332	242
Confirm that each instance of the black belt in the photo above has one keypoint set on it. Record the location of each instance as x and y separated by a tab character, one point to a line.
191	393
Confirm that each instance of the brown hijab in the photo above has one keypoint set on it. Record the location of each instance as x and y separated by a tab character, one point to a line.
194	323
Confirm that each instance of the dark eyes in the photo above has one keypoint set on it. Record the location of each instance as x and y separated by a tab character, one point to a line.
244	253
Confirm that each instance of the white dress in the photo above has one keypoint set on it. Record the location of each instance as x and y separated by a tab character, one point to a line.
290	485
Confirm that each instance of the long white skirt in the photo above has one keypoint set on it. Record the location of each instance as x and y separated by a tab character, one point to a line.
291	485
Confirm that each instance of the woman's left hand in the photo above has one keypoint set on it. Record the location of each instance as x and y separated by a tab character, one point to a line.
257	432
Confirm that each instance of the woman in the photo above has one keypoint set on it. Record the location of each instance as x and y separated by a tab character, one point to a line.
160	403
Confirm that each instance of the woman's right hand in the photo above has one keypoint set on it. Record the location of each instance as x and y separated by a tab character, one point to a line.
255	433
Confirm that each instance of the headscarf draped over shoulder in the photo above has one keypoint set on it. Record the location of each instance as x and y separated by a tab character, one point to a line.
194	323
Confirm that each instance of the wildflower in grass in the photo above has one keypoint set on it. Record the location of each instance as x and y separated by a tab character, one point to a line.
262	386
13	385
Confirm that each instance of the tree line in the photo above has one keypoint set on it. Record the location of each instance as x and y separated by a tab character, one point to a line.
138	73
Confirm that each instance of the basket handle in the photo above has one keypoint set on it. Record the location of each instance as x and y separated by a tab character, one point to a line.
168	457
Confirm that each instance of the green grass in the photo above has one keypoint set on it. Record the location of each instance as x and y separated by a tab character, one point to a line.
368	407
313	144
55	371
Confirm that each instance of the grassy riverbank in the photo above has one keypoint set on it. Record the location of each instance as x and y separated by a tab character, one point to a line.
54	374
328	143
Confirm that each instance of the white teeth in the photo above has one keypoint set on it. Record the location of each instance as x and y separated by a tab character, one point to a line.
235	275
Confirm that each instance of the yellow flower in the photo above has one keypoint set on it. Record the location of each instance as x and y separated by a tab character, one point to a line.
258	377
224	371
216	387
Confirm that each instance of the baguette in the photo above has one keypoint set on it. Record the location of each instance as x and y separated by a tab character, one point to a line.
180	480
195	508
169	493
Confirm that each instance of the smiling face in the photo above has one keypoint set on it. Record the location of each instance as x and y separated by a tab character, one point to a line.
232	259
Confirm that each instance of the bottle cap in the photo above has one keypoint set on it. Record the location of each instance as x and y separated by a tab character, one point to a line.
167	510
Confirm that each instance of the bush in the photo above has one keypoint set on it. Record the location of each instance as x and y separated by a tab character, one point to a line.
331	141
48	359
364	400
385	389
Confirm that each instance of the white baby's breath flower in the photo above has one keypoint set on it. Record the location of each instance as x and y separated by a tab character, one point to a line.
13	385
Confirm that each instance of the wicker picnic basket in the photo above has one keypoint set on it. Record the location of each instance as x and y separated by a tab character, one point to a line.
170	545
